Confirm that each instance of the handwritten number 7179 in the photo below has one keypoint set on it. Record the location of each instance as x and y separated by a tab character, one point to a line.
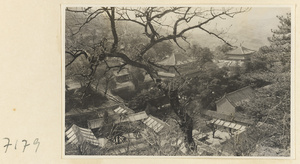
36	142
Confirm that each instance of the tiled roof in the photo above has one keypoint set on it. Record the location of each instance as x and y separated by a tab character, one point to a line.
78	135
232	125
175	59
120	110
97	123
154	123
238	96
236	118
240	51
123	109
133	117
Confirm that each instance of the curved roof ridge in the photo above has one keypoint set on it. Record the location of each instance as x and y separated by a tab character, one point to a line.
240	50
237	95
176	59
238	90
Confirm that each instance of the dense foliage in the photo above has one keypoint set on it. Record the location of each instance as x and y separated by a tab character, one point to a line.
271	108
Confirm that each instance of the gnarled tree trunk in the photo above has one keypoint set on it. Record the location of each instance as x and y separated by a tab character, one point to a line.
186	124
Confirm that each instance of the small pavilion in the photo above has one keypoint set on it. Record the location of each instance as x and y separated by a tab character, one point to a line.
241	53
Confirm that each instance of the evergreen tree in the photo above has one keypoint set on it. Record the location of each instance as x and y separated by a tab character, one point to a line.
281	39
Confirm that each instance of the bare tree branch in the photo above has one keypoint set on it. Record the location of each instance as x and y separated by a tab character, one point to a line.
91	16
75	55
216	35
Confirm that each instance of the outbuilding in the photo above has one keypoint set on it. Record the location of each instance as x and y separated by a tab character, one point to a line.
229	103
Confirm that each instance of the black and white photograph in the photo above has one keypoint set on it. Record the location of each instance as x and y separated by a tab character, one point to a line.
193	81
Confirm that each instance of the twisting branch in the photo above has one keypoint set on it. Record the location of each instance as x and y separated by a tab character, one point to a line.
108	67
158	66
128	18
75	54
160	15
127	60
153	33
91	16
176	26
150	18
216	35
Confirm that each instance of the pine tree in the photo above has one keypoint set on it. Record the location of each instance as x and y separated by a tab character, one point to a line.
281	39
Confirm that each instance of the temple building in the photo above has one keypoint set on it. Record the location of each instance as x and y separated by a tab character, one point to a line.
236	57
239	54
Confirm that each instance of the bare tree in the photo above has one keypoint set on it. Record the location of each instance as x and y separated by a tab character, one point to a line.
159	25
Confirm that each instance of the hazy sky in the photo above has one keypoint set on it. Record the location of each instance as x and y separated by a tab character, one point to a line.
251	28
